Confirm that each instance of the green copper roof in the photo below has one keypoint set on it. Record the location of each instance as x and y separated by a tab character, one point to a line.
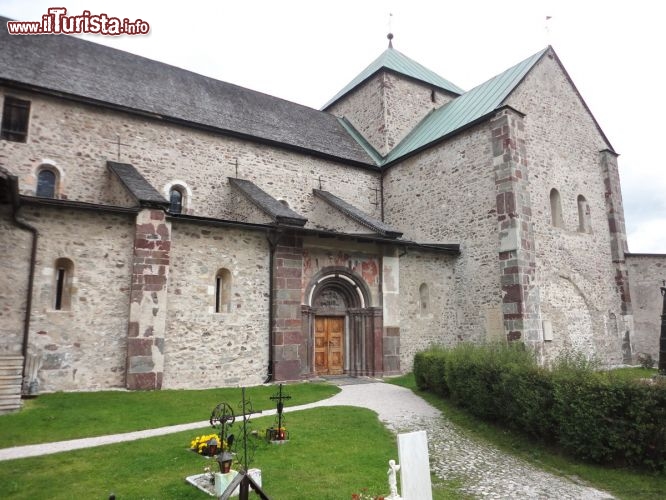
400	63
464	110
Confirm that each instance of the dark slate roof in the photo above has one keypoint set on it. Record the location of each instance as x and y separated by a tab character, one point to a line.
93	72
137	185
278	211
357	215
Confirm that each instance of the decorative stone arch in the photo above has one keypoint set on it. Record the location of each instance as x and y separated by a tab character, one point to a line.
352	287
340	294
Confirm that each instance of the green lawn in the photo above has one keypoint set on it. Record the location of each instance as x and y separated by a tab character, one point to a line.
634	373
622	483
60	416
333	452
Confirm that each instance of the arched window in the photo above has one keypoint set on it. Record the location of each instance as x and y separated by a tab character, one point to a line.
223	291
556	208
62	289
46	183
424	299
584	222
175	200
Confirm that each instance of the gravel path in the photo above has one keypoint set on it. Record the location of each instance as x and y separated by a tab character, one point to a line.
485	471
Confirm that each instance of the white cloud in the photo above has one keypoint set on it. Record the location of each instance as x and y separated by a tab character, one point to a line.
648	237
305	51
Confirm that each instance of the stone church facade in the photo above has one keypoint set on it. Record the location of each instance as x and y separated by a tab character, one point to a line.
160	229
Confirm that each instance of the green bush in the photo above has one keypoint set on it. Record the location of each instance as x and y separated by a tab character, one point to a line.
589	414
429	368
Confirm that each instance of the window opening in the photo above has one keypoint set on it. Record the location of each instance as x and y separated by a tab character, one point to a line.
60	287
15	116
46	183
175	201
222	291
556	208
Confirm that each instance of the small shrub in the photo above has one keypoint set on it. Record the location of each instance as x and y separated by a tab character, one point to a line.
646	360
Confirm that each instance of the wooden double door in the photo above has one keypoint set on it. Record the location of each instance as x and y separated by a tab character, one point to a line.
329	344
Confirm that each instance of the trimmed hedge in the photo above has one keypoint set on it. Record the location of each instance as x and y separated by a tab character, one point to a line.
590	415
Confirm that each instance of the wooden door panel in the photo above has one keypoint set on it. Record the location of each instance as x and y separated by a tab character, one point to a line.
329	345
335	330
321	346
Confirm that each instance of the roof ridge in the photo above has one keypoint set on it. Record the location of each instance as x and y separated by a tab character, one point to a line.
394	60
464	110
105	76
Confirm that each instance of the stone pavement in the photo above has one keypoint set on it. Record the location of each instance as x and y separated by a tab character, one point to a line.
484	471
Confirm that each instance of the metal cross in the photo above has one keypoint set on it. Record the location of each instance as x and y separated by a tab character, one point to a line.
118	143
280	405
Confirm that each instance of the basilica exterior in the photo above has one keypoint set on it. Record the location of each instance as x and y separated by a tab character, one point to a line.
161	229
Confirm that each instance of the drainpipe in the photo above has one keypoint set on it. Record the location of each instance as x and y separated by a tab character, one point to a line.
273	239
15	200
381	192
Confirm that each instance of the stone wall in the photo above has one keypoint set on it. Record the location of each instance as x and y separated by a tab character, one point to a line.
427	304
647	273
574	269
78	139
447	195
15	248
361	259
204	348
146	331
387	107
84	345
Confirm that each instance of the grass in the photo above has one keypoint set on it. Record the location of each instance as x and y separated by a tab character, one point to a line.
333	452
622	483
60	416
633	373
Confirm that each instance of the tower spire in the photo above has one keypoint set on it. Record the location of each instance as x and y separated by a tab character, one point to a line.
390	34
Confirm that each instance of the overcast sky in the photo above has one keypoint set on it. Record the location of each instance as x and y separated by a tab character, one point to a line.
305	51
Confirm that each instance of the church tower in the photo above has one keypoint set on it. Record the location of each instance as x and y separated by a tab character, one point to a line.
389	98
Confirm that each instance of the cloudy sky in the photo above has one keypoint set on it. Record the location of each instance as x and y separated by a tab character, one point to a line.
305	51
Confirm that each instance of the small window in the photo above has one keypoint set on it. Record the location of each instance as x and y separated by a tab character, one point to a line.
15	115
46	183
223	291
424	299
175	201
64	273
556	208
584	221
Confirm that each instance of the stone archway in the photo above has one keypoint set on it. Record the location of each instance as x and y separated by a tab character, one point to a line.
344	331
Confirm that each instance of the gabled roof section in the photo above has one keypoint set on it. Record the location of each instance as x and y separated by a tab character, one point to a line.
137	185
359	216
396	61
85	71
464	110
276	210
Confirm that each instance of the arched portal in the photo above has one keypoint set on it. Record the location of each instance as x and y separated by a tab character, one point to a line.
344	331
